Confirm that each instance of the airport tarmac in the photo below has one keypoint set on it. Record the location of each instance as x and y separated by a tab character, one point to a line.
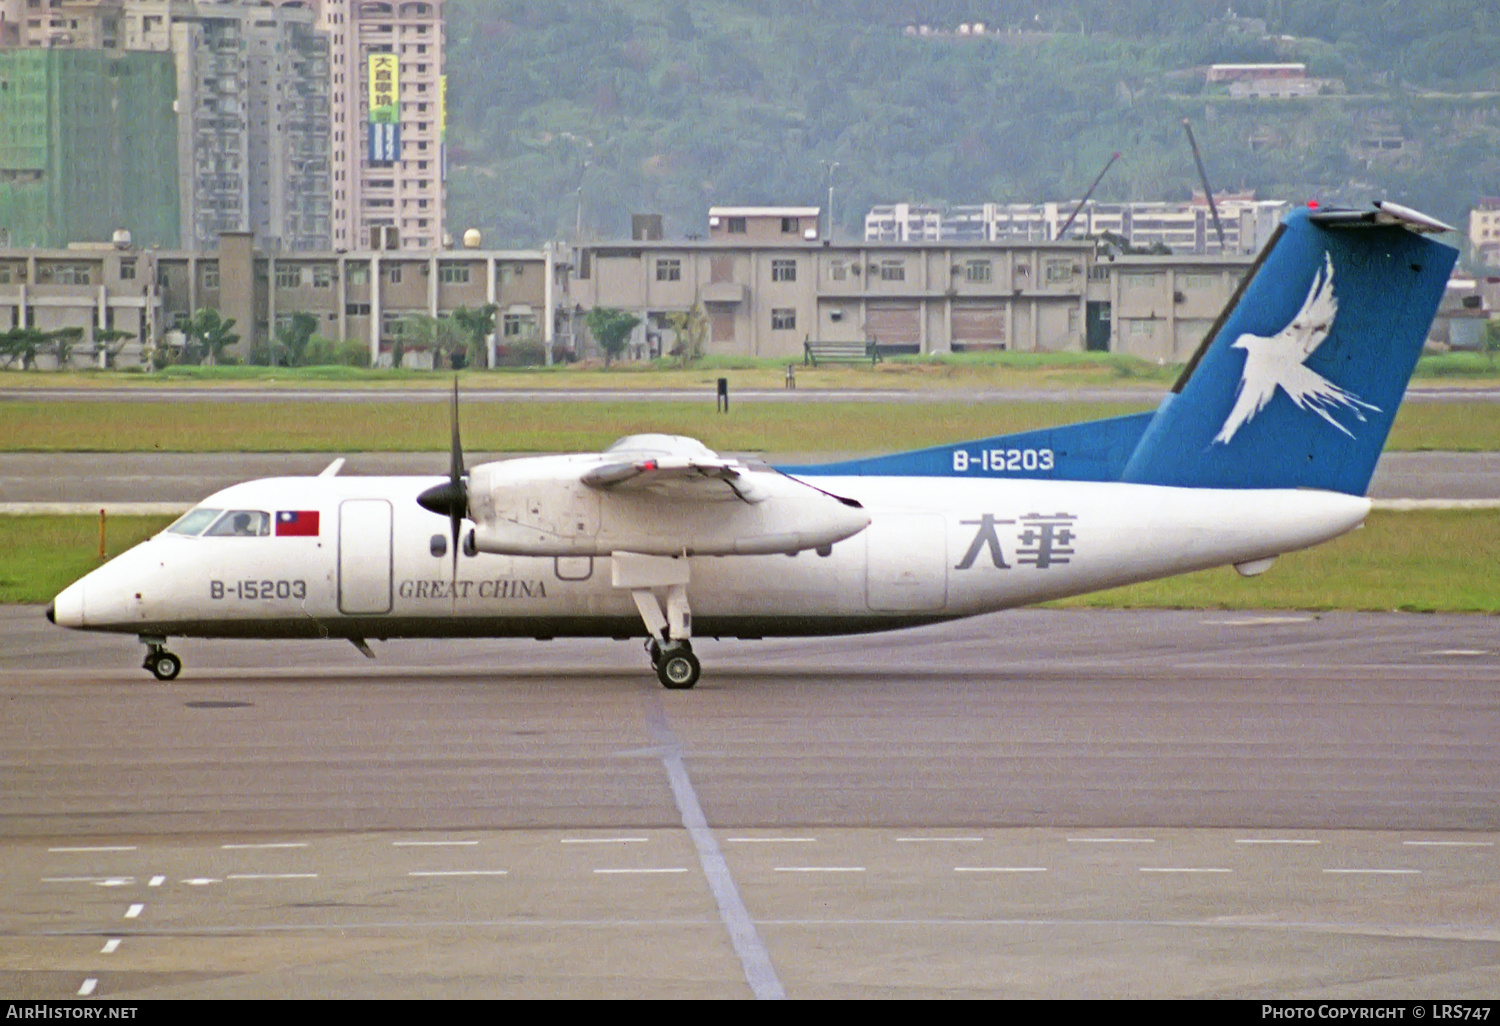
189	477
1031	804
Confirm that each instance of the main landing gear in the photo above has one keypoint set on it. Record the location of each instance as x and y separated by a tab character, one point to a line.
675	665
671	628
163	664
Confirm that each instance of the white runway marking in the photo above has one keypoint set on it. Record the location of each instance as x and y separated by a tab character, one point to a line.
1450	844
939	840
999	869
606	840
640	872
459	872
1184	869
1275	840
820	869
199	881
134	911
272	876
433	844
156	881
760	974
98	847
110	946
263	847
88	987
100	881
1461	652
1376	872
770	840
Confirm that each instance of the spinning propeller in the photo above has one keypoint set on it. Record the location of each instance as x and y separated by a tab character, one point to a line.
452	496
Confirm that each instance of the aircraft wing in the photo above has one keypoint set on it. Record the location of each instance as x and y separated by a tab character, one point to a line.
680	478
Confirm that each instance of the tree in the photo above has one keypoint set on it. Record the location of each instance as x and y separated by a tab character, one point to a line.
691	328
103	337
611	328
63	340
208	335
292	339
22	344
440	335
477	326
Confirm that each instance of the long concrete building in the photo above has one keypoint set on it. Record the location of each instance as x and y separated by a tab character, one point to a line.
365	296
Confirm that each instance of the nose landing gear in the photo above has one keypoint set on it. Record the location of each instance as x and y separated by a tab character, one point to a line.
163	665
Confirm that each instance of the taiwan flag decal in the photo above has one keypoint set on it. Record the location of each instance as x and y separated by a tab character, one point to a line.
299	523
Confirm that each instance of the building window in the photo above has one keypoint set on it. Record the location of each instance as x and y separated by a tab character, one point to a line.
1198	281
736	226
784	270
892	270
394	274
208	276
517	325
322	276
71	274
669	270
789	226
784	319
127	270
288	277
838	272
1058	271
393	324
453	274
359	274
978	271
1099	272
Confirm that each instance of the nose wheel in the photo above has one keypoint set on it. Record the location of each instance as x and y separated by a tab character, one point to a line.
163	665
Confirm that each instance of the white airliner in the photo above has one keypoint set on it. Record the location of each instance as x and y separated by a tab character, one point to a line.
658	537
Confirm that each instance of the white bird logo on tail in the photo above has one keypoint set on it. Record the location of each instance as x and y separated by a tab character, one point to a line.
1279	362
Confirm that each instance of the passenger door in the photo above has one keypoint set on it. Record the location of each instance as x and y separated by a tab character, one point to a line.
364	556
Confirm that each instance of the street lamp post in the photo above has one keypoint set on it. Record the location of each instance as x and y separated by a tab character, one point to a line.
831	166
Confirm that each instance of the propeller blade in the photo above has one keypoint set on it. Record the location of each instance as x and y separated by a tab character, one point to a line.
451	498
460	508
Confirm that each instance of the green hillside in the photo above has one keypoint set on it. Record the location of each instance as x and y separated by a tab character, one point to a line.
669	106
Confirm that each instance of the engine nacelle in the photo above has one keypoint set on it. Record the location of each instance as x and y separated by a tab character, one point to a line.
541	507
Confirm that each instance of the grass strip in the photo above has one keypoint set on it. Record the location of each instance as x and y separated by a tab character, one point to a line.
376	426
1431	561
1435	561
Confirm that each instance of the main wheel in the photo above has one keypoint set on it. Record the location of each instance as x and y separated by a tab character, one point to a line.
165	666
678	669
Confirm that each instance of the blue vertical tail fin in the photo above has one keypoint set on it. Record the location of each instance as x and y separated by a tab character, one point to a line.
1299	381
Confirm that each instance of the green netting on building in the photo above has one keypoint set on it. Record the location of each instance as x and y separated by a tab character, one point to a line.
88	144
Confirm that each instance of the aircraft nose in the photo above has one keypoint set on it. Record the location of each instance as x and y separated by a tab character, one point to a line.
67	609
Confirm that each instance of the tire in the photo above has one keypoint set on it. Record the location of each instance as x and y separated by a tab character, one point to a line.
678	670
166	666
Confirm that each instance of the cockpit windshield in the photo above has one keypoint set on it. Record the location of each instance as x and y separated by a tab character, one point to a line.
241	523
194	521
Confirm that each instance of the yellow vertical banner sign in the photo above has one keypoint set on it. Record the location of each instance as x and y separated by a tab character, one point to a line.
443	126
385	108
